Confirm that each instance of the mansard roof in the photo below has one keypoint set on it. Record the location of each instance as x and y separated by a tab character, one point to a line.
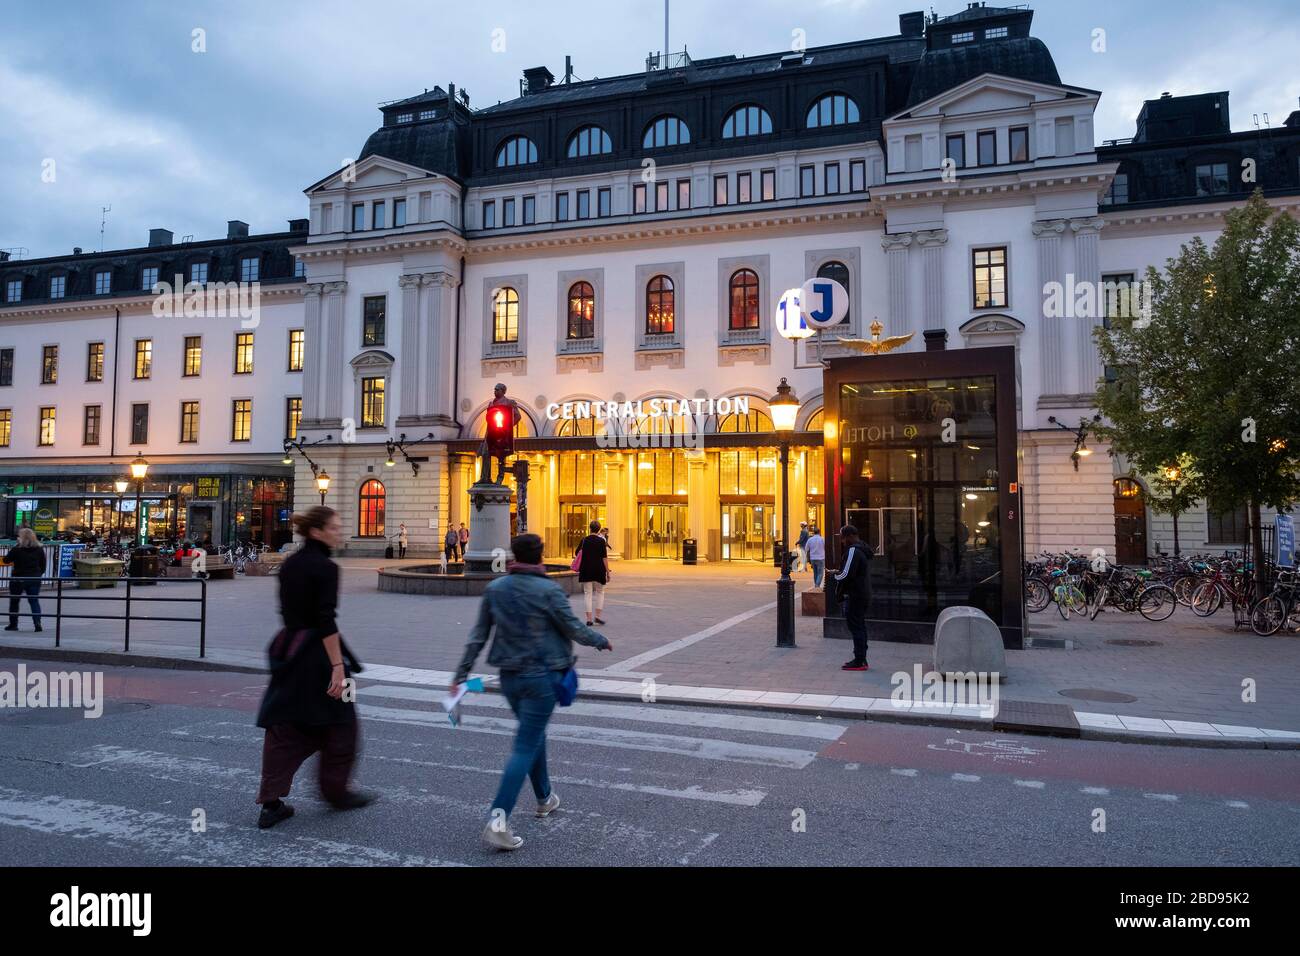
437	145
942	68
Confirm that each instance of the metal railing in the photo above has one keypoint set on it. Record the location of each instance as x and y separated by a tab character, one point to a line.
60	594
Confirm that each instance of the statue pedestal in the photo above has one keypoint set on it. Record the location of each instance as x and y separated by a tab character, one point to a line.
489	539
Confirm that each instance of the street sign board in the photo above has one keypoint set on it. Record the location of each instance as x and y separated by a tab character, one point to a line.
789	316
1285	528
825	302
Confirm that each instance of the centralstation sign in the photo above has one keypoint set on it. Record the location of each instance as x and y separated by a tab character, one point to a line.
647	408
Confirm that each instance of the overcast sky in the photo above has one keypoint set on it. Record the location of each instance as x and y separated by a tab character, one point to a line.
132	117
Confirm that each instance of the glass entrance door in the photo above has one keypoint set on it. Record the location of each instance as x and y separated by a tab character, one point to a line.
660	530
745	535
575	523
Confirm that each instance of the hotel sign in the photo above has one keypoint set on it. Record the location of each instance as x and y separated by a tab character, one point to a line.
647	408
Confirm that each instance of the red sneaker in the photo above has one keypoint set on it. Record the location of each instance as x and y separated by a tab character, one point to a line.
854	666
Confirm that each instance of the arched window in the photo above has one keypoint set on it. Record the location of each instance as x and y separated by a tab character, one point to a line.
833	109
815	423
666	131
517	151
752	421
660	306
743	310
589	141
582	311
840	273
505	315
746	121
580	427
370	521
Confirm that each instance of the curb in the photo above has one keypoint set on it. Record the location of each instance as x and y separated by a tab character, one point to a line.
119	658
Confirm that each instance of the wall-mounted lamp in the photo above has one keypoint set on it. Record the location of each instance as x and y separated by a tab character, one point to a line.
1081	449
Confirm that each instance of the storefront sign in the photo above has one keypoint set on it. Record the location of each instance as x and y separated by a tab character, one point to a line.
26	504
647	408
207	488
44	523
67	552
1285	525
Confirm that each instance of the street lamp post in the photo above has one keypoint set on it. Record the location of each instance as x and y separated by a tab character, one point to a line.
785	409
139	468
1172	474
322	484
120	486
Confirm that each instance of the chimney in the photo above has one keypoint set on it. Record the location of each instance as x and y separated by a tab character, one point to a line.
236	229
936	340
912	24
537	78
160	237
76	250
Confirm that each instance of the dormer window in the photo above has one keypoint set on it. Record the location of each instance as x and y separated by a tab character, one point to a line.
103	282
199	272
966	37
589	141
427	114
666	131
1118	191
14	290
746	121
995	33
148	278
833	109
517	151
404	117
249	269
58	285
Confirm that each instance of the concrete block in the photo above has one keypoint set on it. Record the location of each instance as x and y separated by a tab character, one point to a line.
966	639
813	603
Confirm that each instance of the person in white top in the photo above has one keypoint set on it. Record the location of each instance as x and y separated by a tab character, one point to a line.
402	541
815	547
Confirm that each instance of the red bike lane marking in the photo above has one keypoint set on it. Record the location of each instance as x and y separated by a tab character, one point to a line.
1218	772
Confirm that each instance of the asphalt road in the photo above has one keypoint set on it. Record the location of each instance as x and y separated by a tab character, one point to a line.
641	784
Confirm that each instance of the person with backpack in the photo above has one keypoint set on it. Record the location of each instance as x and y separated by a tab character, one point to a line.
592	558
533	630
852	584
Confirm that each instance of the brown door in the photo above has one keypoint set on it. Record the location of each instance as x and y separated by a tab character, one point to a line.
1130	530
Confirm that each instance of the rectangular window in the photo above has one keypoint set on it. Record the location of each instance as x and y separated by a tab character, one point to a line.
198	272
57	286
292	416
6	426
584	204
561	207
831	178
911	154
379	216
358	216
373	320
858	175
719	190
103	282
1211	179
508	211
372	403
955	149
966	37
530	210
241	419
193	356
995	33
95	362
988	147
744	187
243	353
767	183
639	198
807	181
299	268
1018	139
1118	191
140	424
49	365
6	366
604	202
143	359
297	347
490	214
14	290
189	422
148	277
661	197
250	269
47	426
1226	525
90	426
990	277
399	213
1065	137
683	194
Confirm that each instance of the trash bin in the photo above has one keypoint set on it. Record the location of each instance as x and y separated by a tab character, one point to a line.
145	563
777	548
690	551
96	571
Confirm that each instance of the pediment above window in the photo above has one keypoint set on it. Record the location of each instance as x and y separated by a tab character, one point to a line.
371	171
985	330
373	360
991	92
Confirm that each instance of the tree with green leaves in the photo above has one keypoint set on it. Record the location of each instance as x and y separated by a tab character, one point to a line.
1208	372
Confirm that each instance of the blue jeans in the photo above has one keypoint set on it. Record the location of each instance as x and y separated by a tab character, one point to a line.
532	697
18	587
819	568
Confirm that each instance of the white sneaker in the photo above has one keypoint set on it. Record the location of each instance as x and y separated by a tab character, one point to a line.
501	839
548	805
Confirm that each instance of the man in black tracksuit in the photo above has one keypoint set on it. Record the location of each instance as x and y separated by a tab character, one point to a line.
852	583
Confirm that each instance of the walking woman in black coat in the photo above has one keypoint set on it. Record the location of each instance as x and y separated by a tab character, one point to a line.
28	561
593	572
304	710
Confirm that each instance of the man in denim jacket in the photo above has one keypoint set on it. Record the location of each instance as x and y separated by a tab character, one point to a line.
532	646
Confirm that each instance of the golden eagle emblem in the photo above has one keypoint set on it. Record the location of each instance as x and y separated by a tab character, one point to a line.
876	345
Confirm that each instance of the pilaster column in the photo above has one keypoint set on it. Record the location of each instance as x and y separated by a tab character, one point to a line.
313	354
617	510
437	345
932	242
700	504
1051	338
460	467
1087	269
332	401
410	368
895	247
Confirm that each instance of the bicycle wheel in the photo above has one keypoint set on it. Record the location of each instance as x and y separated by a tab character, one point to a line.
1183	587
1266	616
1157	602
1037	596
1206	599
1103	593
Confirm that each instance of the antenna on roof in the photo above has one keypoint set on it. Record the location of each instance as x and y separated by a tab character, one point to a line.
666	46
103	216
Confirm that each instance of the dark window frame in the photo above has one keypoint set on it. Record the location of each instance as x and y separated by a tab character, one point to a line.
374	327
189	416
91	424
661	291
583	317
990	267
139	423
743	292
94	361
990	137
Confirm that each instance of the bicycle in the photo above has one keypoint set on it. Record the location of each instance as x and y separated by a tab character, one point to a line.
1228	583
1279	608
1131	591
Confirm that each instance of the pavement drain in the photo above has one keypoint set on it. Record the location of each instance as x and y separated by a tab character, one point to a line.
1134	642
1099	696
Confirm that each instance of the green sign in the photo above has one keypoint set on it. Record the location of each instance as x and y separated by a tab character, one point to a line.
208	488
43	524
